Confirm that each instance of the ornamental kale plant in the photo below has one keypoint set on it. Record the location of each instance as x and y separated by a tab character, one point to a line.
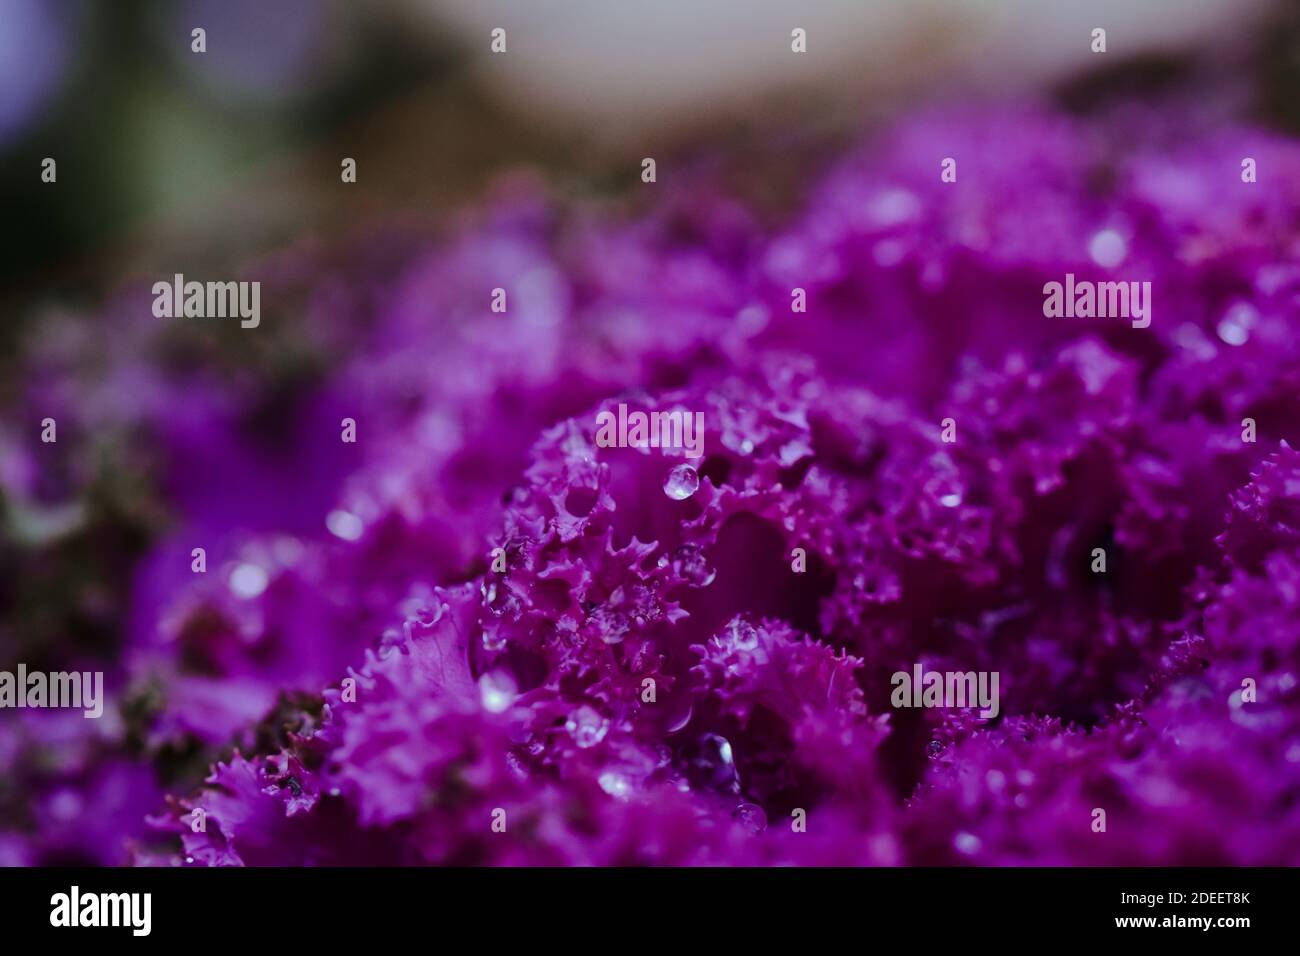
478	635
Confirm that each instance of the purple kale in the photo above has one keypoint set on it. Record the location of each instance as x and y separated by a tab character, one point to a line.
482	635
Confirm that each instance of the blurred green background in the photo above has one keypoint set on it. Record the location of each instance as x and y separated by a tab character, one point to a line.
168	157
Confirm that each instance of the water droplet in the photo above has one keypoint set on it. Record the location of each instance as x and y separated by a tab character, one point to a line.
586	726
497	691
751	817
710	765
344	524
247	581
935	748
1234	328
1107	248
945	485
681	483
682	717
690	564
614	784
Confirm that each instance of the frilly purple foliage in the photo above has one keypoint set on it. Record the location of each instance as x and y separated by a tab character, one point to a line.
648	681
